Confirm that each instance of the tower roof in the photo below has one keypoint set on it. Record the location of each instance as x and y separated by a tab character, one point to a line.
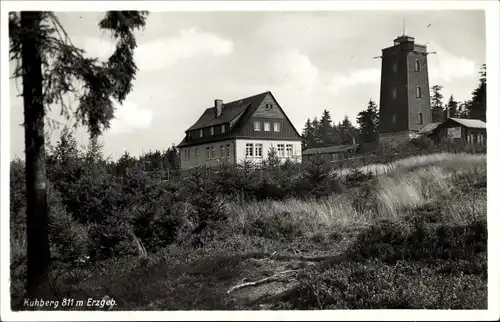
403	38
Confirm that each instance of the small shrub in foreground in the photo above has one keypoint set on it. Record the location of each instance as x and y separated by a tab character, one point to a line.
393	241
376	285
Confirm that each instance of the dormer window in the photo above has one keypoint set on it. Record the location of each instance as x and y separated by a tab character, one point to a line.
201	133
212	130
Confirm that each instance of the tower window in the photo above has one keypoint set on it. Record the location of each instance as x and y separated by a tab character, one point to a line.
420	118
394	119
419	92
394	66
394	92
417	65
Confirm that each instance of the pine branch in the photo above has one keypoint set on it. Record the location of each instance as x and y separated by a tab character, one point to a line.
66	70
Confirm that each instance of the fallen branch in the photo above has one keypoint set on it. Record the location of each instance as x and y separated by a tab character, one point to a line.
261	281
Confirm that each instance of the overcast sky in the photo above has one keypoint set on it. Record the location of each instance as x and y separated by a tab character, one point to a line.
310	61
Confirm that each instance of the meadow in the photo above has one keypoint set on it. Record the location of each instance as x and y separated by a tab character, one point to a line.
401	229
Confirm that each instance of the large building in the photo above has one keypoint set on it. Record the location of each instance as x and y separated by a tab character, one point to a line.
405	106
245	129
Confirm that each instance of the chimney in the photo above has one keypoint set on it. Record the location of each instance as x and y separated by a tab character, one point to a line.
218	108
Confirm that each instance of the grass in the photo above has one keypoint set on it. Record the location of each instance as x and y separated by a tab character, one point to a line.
413	236
452	161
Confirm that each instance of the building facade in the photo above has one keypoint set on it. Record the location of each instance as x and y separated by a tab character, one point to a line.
404	91
245	129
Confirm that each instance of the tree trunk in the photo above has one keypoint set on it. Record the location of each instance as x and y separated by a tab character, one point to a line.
38	253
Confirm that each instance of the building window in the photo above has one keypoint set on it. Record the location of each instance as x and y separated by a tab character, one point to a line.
222	151
420	118
227	149
276	127
394	92
212	152
394	119
289	150
394	66
419	92
281	150
417	65
267	126
196	152
223	128
258	150
207	153
212	130
201	133
269	107
189	154
249	150
256	126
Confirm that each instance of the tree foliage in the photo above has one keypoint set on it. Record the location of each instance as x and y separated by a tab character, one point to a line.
324	132
368	122
437	107
452	107
477	105
67	71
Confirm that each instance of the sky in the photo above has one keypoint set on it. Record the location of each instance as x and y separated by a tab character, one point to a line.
310	61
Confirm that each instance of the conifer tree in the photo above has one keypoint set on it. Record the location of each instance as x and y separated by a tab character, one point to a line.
51	67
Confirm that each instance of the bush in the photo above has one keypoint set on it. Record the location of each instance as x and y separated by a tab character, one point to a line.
157	223
208	210
356	177
393	241
69	238
94	196
375	285
277	225
110	238
318	180
17	189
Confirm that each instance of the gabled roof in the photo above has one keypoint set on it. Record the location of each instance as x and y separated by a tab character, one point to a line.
331	149
230	111
238	113
477	124
470	123
428	128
